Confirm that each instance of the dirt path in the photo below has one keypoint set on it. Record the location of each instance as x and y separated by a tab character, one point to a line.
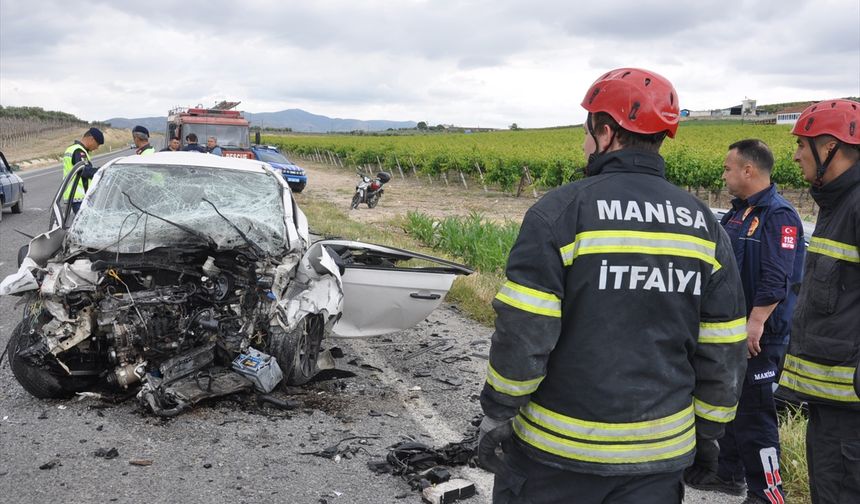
337	185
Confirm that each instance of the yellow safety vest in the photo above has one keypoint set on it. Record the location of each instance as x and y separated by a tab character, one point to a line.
67	168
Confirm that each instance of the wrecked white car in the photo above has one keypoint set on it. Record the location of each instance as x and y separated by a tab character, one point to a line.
180	267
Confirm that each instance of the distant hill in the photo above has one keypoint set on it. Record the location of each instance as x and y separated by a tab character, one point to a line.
153	124
296	119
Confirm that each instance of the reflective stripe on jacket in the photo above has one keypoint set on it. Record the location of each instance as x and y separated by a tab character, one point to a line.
824	350
620	330
68	164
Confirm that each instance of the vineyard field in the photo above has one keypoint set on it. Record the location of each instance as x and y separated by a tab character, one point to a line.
694	159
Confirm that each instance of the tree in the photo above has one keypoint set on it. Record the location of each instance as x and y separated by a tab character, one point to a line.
513	127
422	125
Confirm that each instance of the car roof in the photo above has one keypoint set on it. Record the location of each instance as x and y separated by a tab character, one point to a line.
195	159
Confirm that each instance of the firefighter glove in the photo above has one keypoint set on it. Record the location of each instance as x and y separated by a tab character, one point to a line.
491	435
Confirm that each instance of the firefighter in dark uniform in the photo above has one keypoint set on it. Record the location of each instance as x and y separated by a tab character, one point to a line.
140	136
620	339
821	365
79	151
767	236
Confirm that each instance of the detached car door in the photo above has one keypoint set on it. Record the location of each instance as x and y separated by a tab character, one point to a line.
387	289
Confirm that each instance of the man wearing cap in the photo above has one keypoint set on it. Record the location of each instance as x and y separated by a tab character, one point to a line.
821	367
77	152
140	136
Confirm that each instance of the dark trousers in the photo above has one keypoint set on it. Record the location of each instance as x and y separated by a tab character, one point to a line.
833	454
750	448
531	482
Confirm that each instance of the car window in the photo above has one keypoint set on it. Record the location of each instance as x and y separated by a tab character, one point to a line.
271	156
110	220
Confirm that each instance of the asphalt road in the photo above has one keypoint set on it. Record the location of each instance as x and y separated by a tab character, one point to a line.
422	383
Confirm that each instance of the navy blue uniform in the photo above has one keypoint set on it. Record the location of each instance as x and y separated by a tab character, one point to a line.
767	238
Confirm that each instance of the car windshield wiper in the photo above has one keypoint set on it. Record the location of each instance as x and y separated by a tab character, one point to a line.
208	239
256	248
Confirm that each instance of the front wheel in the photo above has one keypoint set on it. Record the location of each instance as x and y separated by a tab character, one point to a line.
297	351
19	206
38	381
373	200
356	200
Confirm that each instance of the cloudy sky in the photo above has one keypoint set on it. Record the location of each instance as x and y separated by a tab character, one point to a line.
467	62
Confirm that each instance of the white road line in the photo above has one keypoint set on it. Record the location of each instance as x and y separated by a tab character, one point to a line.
36	175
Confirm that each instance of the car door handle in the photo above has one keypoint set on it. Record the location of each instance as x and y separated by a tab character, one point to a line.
417	295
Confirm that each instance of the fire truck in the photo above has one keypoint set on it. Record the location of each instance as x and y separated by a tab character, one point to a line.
221	121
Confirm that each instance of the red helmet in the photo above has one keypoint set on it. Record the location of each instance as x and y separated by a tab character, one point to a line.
640	101
838	118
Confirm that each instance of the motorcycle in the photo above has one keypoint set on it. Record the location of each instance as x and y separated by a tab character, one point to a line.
369	190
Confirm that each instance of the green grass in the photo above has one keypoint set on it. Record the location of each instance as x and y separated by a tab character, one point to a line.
481	244
792	440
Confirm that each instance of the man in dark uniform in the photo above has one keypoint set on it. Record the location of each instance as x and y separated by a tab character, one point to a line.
767	237
620	337
79	151
821	365
140	136
192	145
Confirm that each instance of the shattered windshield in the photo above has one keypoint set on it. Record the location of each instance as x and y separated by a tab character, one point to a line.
253	201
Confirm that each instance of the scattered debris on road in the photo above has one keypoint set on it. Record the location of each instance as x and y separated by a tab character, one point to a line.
106	453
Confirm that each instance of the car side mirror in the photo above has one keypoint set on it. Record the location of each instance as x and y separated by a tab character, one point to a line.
15	167
22	253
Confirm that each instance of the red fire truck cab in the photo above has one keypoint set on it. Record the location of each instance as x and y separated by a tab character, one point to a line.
228	127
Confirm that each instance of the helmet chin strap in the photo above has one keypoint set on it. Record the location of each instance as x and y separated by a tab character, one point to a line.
820	167
594	155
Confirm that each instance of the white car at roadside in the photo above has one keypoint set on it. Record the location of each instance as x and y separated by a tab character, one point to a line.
177	263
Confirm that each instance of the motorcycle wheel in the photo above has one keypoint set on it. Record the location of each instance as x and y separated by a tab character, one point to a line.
356	200
373	200
37	381
297	351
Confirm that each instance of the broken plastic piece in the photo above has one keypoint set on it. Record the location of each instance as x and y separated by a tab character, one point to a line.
450	491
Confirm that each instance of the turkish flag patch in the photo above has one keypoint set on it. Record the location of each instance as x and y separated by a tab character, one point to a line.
789	237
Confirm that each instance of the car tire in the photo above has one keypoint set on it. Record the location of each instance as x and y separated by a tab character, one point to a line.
19	206
297	350
297	188
37	381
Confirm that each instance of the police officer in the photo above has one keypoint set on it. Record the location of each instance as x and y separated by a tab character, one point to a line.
140	136
767	237
821	365
620	336
79	151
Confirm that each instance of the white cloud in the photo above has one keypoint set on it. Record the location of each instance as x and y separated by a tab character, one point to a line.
477	62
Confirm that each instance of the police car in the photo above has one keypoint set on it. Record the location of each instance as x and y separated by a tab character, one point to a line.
293	174
11	188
